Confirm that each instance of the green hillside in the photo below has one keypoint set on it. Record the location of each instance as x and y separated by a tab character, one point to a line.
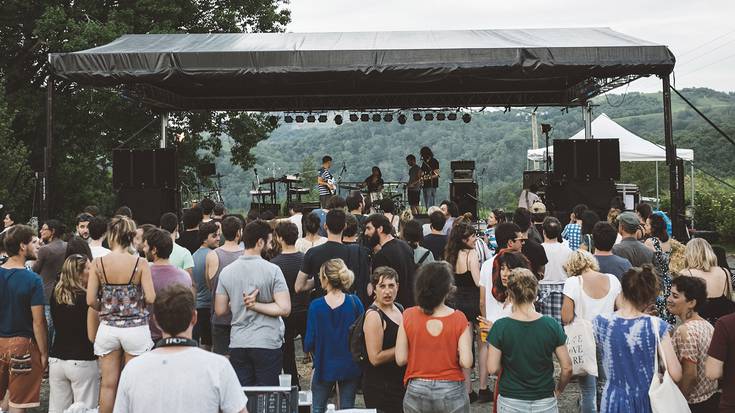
497	141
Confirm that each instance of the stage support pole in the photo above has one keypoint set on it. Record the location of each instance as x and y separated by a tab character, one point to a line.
47	151
587	114
675	190
164	124
692	203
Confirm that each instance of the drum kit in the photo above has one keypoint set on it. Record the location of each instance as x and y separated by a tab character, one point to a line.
395	191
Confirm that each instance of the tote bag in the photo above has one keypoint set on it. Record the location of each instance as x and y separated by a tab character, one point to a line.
581	341
664	393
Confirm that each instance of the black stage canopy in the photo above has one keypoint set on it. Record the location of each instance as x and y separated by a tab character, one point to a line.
378	70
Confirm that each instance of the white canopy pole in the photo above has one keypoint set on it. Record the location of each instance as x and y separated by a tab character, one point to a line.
658	199
692	164
587	114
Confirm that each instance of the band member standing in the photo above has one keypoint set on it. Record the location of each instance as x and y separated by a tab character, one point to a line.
325	181
430	176
374	184
413	187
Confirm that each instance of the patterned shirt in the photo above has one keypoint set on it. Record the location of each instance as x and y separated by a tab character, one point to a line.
326	176
691	341
573	234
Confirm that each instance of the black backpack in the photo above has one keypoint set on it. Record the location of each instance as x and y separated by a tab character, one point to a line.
357	336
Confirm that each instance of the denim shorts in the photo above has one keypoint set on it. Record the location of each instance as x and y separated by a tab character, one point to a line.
436	396
506	405
132	340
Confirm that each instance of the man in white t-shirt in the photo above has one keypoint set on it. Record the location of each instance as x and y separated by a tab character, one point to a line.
557	252
177	376
97	231
296	212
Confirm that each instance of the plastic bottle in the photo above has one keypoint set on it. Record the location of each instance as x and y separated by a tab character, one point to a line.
330	408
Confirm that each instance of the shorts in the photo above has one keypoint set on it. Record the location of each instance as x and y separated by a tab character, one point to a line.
203	328
413	197
132	340
20	372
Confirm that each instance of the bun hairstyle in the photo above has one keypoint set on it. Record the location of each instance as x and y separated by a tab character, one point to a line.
335	273
580	261
522	286
640	286
434	282
121	231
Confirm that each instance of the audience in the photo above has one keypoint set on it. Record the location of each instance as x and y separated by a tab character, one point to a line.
720	364
629	247
658	241
97	232
391	252
573	230
311	234
189	238
413	235
209	239
435	241
603	236
180	256
589	220
700	261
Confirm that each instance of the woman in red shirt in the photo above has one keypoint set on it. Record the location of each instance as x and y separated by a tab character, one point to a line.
435	342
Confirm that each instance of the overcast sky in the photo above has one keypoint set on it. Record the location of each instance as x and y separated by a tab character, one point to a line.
701	34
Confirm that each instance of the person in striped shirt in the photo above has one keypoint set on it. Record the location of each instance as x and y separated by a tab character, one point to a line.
324	181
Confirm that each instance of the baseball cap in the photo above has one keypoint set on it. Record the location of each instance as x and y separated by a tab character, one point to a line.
538	208
629	220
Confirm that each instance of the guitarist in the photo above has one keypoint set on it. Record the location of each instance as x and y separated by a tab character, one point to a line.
325	181
430	176
413	187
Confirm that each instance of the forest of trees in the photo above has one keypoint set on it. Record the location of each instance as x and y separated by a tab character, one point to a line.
496	140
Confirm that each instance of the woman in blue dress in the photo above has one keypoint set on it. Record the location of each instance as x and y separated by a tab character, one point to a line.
628	345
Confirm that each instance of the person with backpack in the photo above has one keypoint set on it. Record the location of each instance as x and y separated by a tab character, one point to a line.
328	337
382	379
413	234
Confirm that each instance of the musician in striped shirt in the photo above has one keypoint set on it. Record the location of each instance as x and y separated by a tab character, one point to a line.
325	181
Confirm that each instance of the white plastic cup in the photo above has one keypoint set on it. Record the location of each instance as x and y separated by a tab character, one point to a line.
284	380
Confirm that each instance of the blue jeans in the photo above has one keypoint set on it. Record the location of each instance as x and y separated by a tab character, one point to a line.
49	324
588	390
429	197
321	390
506	405
436	396
257	366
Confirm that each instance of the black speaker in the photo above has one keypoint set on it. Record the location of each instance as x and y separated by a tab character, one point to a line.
148	204
156	168
562	195
587	159
260	208
464	194
537	178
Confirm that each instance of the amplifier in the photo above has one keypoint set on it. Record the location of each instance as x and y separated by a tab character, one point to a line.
455	165
462	175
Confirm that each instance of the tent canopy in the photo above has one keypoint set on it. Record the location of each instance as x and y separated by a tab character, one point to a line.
633	148
369	70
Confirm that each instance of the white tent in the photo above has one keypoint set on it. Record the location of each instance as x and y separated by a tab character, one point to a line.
633	148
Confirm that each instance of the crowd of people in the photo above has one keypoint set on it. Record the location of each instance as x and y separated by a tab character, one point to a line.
180	316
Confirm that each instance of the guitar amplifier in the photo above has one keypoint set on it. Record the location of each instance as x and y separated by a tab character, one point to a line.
463	175
459	165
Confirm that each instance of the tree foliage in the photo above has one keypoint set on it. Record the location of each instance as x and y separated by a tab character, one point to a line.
90	123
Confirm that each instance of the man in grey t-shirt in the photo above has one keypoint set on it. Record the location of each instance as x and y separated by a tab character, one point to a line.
629	247
257	294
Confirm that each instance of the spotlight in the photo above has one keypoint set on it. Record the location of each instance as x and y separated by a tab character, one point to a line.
299	118
466	118
354	117
288	119
429	116
311	118
273	120
440	116
545	128
364	117
376	117
417	117
338	119
402	119
452	116
388	117
322	118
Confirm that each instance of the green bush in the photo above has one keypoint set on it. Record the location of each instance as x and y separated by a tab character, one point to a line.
715	210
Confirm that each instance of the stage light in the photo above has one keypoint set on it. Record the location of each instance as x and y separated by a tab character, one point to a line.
299	118
417	117
354	117
311	118
388	117
452	116
466	118
322	118
376	117
440	116
364	117
402	119
338	119
288	119
429	116
273	120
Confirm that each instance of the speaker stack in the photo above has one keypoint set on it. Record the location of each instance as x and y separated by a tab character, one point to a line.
463	187
146	181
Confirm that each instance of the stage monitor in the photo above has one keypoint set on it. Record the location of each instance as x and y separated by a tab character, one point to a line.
587	159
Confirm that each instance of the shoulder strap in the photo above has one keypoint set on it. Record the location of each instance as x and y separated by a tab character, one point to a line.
424	257
137	260
727	284
654	323
581	298
104	273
